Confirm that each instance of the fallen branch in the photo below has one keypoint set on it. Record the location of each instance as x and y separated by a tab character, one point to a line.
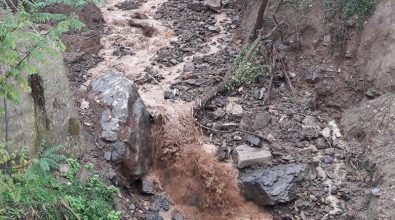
64	205
232	130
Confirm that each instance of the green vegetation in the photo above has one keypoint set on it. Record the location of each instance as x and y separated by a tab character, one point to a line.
29	187
245	70
30	190
348	9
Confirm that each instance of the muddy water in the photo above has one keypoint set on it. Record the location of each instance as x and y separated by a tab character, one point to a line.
197	185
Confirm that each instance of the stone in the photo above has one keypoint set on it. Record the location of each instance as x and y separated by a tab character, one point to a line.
327	159
46	114
84	104
375	191
189	67
169	94
255	121
146	187
214	29
254	140
309	122
161	203
196	6
235	110
64	168
219	113
250	156
177	216
123	104
153	216
312	74
118	152
273	185
327	40
107	155
214	5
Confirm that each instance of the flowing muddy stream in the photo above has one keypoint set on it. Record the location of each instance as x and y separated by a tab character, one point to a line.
196	183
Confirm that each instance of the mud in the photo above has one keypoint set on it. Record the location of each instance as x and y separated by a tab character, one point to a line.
152	41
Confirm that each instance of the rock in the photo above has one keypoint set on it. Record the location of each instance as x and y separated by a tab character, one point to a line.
375	191
177	216
84	104
189	67
161	203
146	187
169	94
214	5
254	140
327	40
196	6
118	152
64	168
124	104
250	156
255	121
214	29
107	155
312	74
273	185
309	122
219	113
327	159
153	216
235	110
110	126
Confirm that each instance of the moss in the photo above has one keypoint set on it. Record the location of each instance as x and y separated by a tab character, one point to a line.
74	127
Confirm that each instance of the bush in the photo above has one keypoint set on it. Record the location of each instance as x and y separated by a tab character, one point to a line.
36	193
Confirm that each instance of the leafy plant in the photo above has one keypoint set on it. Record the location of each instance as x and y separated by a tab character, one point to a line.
39	194
244	71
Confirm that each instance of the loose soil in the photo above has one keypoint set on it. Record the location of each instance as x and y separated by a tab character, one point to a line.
152	42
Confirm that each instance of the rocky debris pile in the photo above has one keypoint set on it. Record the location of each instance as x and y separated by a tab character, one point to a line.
124	122
194	24
273	185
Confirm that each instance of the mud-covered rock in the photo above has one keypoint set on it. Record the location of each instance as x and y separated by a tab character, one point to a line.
273	185
124	104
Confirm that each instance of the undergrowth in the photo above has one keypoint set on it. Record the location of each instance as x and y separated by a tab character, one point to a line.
31	191
245	71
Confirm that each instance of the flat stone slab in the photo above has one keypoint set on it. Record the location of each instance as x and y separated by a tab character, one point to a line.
249	156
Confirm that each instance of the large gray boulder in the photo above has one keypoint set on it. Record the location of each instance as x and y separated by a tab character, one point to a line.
273	185
47	114
125	119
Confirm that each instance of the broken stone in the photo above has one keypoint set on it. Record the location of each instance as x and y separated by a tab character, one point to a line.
254	140
234	109
64	168
327	40
107	155
146	187
124	104
214	29
84	104
219	113
312	74
250	156
328	159
273	185
153	216
375	191
189	67
255	121
160	203
169	94
118	152
214	5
